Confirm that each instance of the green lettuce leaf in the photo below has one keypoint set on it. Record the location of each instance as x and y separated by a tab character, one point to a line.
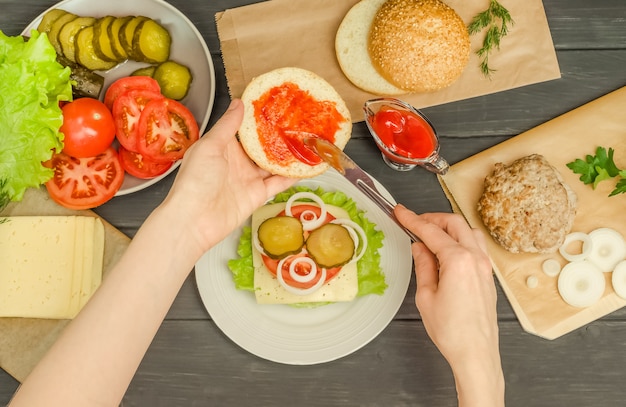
241	267
32	83
370	275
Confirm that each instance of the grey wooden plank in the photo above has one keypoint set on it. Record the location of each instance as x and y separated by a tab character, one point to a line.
587	25
192	363
586	75
8	385
379	374
399	368
574	24
583	368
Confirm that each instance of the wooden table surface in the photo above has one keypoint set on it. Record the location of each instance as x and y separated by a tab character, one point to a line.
192	363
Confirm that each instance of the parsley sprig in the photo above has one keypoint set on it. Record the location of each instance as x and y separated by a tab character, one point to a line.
599	167
496	19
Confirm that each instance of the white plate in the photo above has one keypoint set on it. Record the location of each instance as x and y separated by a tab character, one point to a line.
188	48
284	334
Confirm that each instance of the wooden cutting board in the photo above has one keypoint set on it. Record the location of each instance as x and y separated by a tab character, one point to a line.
602	122
24	341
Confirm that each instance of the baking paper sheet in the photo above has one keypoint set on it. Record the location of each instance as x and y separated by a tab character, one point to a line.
264	36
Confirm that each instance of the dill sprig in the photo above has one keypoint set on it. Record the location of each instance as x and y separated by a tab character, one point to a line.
496	19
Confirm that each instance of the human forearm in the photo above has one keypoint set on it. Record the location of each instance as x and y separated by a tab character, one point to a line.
95	358
480	383
456	297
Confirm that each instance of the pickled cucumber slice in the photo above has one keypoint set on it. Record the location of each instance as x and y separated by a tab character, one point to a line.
114	30
101	41
174	79
67	35
127	34
55	29
145	71
85	53
151	42
330	245
49	18
281	236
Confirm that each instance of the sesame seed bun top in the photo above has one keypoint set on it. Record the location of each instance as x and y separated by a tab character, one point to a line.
419	45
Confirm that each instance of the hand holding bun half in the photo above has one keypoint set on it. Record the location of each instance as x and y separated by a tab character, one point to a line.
280	107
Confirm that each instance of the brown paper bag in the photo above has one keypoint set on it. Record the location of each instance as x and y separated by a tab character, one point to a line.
541	310
260	37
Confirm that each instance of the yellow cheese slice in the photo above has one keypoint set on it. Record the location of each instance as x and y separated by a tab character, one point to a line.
77	271
93	260
47	263
268	290
84	289
36	266
98	255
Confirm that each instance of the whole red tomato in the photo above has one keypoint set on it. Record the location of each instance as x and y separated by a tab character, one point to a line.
88	127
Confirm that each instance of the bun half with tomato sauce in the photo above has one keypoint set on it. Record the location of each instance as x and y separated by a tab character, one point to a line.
280	108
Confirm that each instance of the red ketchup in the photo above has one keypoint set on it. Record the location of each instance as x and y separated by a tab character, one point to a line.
404	133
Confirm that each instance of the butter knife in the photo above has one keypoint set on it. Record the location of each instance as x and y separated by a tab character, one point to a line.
337	159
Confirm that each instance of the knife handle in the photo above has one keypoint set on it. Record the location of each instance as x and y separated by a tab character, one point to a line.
385	205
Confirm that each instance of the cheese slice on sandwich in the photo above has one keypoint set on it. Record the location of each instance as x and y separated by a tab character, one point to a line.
268	290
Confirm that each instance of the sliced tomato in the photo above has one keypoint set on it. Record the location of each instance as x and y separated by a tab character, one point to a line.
301	268
122	85
84	183
166	130
138	166
127	110
298	208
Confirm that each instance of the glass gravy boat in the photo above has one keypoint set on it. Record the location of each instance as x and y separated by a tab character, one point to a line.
404	135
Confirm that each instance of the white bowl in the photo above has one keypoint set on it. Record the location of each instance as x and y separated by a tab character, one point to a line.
188	48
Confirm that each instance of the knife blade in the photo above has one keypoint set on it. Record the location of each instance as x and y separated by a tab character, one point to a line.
340	161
